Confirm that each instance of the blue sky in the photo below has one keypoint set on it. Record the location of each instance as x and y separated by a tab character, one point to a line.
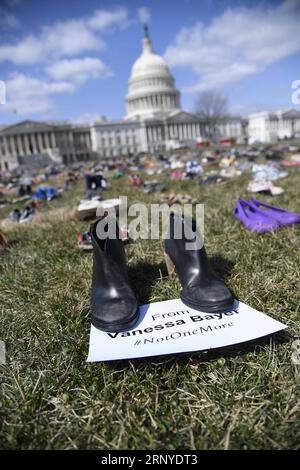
71	59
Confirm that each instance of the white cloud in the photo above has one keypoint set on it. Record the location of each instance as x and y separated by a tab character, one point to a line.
144	15
78	70
102	20
238	43
69	38
64	38
28	51
56	49
25	94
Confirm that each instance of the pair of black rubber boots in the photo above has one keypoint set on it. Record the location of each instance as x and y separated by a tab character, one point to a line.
114	306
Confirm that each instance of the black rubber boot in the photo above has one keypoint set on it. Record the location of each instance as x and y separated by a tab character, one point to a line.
202	289
114	306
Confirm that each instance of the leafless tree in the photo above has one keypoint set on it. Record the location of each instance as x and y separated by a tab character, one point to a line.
211	105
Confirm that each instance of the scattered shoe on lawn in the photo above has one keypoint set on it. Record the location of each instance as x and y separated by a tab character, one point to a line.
254	220
283	216
26	215
259	186
85	241
114	306
202	289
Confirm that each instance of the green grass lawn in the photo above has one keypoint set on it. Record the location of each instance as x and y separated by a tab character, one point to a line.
243	397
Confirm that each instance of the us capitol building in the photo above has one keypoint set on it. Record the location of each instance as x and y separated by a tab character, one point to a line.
154	123
154	120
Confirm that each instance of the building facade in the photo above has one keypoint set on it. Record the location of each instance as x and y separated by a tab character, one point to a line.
272	127
61	143
232	127
154	122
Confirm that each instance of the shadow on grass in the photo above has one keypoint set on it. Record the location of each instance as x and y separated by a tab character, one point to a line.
142	276
223	268
202	357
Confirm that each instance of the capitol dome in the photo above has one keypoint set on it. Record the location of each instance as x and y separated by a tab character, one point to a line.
151	90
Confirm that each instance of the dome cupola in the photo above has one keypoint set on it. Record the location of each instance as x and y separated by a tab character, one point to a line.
151	88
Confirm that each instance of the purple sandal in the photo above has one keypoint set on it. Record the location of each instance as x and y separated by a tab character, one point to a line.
283	216
253	219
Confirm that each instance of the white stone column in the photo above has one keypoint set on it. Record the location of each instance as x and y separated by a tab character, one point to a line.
20	146
47	140
16	143
5	142
167	132
39	142
179	132
12	145
34	143
26	144
53	142
189	133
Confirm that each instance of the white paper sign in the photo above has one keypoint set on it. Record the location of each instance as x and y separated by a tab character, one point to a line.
171	327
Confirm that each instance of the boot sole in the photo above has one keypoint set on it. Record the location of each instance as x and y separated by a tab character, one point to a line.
116	327
208	309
